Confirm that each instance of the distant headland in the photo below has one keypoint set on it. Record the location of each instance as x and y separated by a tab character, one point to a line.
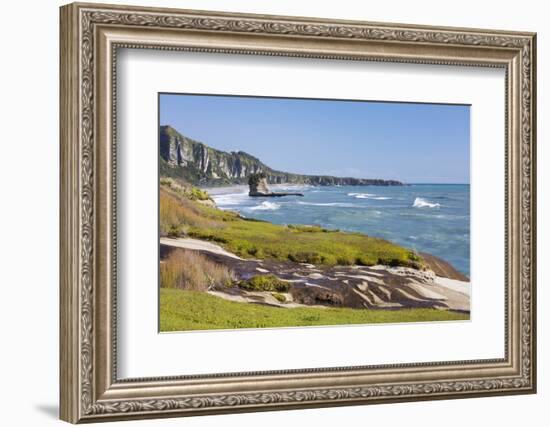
197	163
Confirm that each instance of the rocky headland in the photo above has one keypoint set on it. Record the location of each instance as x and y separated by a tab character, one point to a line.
195	162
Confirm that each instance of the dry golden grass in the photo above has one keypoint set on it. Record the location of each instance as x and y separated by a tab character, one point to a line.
172	216
178	213
192	271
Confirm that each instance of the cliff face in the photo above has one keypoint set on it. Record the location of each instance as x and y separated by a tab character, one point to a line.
257	185
182	157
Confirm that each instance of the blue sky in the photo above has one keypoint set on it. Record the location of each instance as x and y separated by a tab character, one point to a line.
414	143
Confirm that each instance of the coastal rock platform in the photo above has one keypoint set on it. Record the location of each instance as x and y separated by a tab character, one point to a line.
374	287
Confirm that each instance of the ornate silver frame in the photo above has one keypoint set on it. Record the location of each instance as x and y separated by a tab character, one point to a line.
90	36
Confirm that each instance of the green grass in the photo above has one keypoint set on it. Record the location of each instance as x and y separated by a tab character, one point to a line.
259	239
198	194
192	310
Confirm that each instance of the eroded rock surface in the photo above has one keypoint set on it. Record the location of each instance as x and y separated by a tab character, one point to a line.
257	185
377	287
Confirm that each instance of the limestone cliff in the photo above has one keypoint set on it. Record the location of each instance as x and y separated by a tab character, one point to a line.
257	184
183	157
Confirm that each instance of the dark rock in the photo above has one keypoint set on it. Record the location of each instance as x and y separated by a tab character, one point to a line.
257	184
442	268
364	287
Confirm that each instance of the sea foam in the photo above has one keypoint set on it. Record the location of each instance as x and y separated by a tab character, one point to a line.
368	196
266	206
229	199
419	202
336	204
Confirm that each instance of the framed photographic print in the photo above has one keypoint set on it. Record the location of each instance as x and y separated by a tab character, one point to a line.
252	240
265	212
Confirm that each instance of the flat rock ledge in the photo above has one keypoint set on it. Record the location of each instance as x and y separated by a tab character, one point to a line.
273	194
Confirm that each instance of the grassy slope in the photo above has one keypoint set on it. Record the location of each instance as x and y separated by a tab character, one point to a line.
191	310
258	239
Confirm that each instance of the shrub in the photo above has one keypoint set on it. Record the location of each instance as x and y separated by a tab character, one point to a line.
265	282
168	182
363	260
306	257
255	252
396	262
192	271
413	256
198	194
344	260
279	297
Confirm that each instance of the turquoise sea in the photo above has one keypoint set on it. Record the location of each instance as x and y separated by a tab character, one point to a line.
433	218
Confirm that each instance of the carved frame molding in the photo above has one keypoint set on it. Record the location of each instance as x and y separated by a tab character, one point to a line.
90	37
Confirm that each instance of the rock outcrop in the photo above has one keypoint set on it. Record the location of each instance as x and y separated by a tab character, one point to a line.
376	287
257	187
197	163
442	268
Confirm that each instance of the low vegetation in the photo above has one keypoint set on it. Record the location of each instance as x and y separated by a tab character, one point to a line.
190	310
173	217
265	282
183	189
310	228
198	194
248	238
279	297
190	270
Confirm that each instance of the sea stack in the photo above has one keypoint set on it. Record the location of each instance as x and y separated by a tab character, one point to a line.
257	184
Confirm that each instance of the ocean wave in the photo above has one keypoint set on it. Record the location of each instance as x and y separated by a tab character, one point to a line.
230	199
266	206
340	205
419	202
361	195
427	214
368	196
